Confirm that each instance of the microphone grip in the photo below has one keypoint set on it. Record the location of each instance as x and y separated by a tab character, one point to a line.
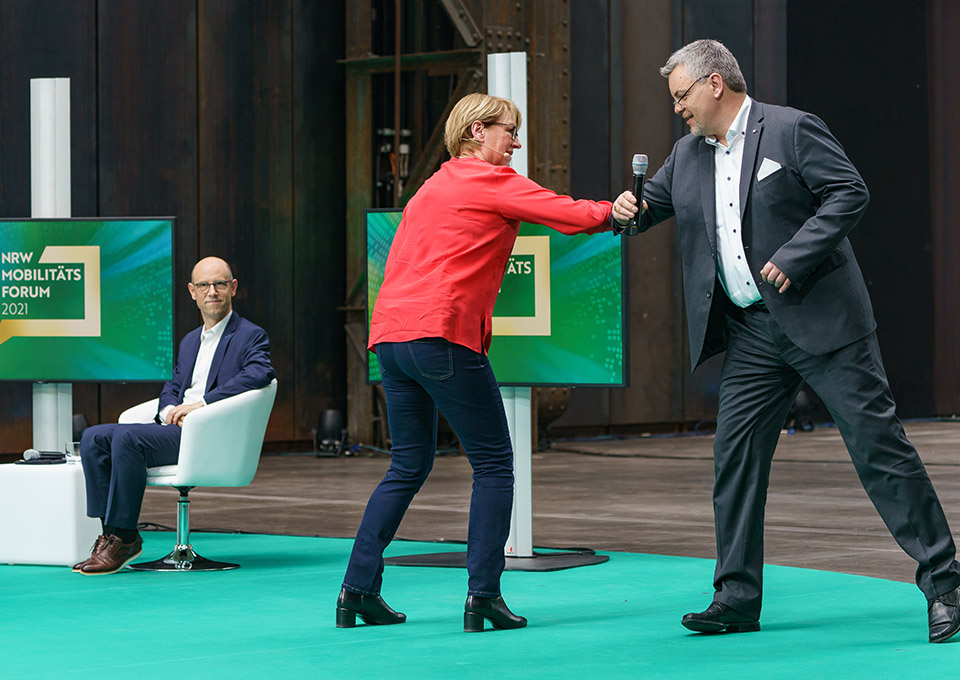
33	454
632	228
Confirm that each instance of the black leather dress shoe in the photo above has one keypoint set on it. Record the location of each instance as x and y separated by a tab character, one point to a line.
719	618
943	613
494	609
371	608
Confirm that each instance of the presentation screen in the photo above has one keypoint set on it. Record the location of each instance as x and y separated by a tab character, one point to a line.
560	314
86	299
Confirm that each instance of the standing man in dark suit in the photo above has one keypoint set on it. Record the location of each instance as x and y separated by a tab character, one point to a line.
764	198
224	357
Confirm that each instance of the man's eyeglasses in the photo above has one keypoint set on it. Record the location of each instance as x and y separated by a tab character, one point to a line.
220	286
511	129
679	100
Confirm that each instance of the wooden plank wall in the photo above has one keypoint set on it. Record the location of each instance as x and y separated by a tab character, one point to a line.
943	17
789	52
245	158
44	39
632	93
147	140
228	116
893	241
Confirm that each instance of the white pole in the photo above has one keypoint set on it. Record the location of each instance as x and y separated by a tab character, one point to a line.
50	147
50	197
516	402
507	77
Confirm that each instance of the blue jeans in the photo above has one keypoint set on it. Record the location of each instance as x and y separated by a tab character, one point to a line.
418	377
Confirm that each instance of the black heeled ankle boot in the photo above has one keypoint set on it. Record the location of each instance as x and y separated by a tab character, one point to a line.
494	609
371	608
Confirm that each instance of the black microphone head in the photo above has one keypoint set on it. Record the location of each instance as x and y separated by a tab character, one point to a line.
640	164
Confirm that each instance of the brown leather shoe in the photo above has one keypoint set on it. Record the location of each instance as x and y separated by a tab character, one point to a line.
113	556
97	545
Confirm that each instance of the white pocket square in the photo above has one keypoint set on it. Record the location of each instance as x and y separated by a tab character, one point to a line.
767	168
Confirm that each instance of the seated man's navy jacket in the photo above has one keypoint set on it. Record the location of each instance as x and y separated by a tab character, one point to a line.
240	363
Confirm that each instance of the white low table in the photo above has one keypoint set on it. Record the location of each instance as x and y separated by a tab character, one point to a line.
43	515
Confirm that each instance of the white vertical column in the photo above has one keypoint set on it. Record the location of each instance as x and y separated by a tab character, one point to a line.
50	147
507	77
50	197
516	402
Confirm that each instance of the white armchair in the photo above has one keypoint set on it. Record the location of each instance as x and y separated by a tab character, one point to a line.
219	446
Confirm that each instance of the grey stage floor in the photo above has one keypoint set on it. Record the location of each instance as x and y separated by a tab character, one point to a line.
650	495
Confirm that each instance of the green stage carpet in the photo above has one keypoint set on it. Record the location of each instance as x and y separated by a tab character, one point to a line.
274	618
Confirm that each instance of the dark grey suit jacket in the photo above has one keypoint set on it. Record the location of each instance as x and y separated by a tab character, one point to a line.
798	218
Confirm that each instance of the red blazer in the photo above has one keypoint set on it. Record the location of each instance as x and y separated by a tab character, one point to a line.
453	245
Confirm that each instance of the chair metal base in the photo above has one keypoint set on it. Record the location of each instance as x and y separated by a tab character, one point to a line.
183	558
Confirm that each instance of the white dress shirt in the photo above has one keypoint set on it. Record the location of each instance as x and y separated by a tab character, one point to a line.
209	340
735	274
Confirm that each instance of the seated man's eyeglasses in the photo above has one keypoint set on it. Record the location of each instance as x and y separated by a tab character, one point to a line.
219	286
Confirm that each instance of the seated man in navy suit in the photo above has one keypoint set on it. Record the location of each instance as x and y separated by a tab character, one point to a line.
224	357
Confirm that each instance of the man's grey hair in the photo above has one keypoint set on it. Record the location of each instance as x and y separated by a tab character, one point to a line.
703	57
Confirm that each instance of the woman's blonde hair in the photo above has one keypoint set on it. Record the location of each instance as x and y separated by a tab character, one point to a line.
476	106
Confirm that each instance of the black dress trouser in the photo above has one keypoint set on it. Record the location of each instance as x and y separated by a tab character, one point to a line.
762	372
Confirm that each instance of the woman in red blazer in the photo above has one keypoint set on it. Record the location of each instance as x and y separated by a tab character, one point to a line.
431	329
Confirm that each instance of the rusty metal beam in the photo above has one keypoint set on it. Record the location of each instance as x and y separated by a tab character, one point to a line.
359	151
462	20
397	95
434	147
548	49
539	27
449	59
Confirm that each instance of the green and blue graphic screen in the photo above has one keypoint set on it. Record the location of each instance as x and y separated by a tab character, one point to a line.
559	317
86	299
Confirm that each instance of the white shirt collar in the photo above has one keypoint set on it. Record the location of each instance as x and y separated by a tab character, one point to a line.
218	328
739	126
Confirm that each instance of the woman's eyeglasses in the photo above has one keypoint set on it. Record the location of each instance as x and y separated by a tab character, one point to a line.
511	129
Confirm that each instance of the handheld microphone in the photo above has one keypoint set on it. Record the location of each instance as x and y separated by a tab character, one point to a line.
639	165
33	454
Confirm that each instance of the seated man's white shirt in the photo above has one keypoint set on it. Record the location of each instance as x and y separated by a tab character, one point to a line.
209	340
